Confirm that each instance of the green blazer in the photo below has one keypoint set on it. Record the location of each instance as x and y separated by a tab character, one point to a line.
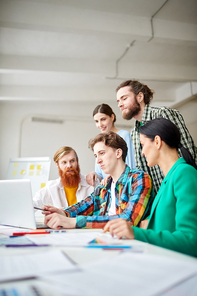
173	217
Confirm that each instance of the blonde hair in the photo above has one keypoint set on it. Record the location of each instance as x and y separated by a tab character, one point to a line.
63	151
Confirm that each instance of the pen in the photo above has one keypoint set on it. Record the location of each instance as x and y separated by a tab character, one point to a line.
106	230
32	232
36	208
22	246
50	231
113	247
56	231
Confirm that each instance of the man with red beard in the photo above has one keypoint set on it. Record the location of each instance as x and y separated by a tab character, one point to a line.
70	188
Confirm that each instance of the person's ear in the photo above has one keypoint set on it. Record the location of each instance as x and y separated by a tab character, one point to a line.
158	142
112	116
56	163
140	97
119	153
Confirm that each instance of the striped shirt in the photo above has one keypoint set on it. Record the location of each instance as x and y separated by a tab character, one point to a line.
134	197
186	140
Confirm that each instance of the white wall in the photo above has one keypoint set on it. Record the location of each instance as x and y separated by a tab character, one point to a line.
19	136
189	112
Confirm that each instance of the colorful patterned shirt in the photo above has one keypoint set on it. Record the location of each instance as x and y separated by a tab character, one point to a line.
134	197
186	140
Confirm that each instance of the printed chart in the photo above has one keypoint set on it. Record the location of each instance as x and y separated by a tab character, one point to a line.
36	169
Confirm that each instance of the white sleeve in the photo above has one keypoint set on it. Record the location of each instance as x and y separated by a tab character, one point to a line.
42	197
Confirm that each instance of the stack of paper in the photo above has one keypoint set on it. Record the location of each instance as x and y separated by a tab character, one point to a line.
73	239
34	264
129	274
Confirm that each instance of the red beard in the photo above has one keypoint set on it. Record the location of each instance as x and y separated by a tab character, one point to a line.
70	179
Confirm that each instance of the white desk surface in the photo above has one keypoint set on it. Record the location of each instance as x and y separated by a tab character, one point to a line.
81	256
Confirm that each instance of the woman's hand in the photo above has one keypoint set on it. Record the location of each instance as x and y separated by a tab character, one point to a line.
120	228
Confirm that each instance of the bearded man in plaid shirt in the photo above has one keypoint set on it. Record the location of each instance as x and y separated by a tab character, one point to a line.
133	100
127	194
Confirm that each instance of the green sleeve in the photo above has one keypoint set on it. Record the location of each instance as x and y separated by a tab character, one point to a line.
184	237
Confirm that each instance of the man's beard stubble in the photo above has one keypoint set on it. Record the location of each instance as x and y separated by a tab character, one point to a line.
132	112
71	179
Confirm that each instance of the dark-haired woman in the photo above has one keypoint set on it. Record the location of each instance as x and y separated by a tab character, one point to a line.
104	118
173	218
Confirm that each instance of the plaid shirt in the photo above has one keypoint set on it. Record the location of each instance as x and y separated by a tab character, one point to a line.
134	196
186	140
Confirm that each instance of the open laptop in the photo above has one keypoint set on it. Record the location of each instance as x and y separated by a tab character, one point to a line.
16	204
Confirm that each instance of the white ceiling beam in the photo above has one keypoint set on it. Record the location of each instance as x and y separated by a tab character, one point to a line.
45	17
41	93
175	30
54	64
106	69
158	72
77	94
185	93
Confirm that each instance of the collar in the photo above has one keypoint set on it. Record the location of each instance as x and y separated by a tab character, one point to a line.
146	114
82	181
122	179
145	117
179	162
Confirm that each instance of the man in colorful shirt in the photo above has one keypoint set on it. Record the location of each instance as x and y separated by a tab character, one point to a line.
128	193
133	100
70	188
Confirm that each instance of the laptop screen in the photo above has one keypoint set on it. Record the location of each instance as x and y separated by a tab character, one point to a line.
16	204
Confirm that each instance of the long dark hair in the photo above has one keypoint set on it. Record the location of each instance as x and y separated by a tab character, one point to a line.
168	133
105	109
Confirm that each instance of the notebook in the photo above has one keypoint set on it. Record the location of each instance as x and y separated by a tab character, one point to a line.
16	204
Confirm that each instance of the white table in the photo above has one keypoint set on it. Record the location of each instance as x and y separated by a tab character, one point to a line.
81	256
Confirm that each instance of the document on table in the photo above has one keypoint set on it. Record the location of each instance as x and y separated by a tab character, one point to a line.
34	264
72	238
15	241
129	273
38	288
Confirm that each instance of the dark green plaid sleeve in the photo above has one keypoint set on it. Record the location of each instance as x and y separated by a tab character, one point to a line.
186	140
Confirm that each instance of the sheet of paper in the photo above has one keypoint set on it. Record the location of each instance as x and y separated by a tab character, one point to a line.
129	274
8	230
37	287
18	240
188	287
33	264
71	239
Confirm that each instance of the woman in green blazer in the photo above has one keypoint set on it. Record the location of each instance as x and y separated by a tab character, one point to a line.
172	222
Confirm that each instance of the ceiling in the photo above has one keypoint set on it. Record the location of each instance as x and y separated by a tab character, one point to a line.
81	50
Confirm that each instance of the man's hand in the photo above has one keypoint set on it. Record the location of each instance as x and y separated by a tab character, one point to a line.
57	221
47	210
120	228
91	178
